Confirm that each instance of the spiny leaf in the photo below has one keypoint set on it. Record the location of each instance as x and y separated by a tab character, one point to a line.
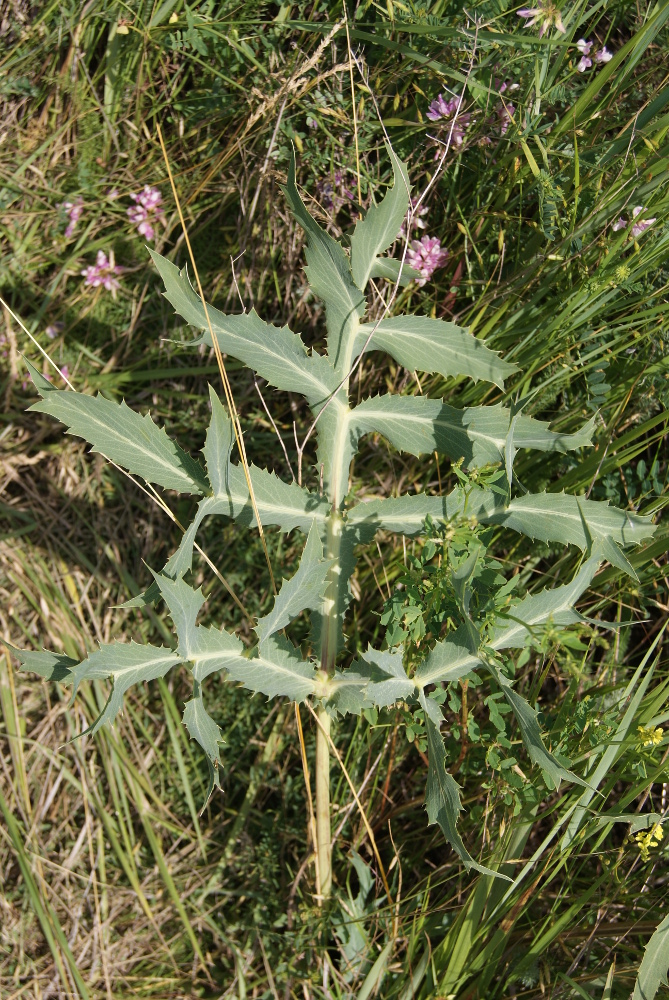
218	445
442	794
275	668
125	664
406	515
378	230
572	520
478	434
329	274
456	656
201	727
449	660
276	353
527	720
127	438
433	345
183	604
303	590
554	606
52	666
654	966
378	679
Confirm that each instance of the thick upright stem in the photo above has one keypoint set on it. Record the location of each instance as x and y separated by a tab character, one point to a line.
323	828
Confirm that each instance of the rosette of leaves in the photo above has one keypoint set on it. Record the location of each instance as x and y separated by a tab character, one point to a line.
476	436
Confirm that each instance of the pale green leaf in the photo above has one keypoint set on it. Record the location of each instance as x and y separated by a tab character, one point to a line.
303	590
127	438
433	345
218	445
124	664
406	515
549	606
527	720
449	660
442	795
572	520
212	650
275	668
201	727
478	434
41	383
275	353
378	679
52	666
378	230
392	269
654	966
329	275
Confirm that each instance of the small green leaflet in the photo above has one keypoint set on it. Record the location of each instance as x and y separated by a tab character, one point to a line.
127	438
378	679
378	230
442	794
419	425
303	590
125	664
52	666
433	345
275	353
201	727
654	964
329	274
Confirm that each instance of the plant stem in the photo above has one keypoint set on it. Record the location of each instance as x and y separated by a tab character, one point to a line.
323	829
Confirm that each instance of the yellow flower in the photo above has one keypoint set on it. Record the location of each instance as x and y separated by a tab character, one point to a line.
649	737
648	839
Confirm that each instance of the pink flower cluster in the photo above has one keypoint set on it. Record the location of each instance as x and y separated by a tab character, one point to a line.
585	62
73	210
147	209
426	255
103	272
639	227
449	112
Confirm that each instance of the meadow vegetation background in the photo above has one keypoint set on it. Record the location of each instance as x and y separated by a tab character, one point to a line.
547	234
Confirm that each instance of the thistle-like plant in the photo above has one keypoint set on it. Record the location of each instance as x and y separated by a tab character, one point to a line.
477	437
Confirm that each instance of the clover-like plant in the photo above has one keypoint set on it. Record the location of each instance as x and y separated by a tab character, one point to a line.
477	437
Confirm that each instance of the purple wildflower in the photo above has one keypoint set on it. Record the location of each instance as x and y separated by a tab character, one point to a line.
505	113
603	55
426	255
545	14
642	225
583	46
73	210
333	196
53	329
103	272
440	109
147	209
584	63
639	227
65	372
